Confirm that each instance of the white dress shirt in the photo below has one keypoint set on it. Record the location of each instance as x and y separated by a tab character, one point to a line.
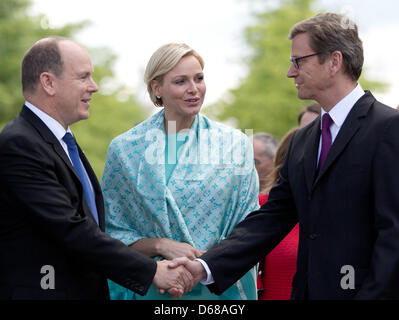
338	114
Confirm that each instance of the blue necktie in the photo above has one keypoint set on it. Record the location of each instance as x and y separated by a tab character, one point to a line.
77	164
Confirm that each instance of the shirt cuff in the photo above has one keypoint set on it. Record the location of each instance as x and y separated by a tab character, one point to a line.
209	277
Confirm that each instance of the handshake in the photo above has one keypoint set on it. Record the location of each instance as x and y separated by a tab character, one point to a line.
178	276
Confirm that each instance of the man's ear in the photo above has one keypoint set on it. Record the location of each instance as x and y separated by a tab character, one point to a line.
47	83
336	61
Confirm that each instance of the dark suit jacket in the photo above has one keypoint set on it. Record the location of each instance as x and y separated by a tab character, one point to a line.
348	214
45	221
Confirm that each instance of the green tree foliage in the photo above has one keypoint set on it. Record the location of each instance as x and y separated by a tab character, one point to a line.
266	100
110	114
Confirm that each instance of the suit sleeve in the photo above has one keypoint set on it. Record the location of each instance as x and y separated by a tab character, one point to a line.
31	184
254	237
383	277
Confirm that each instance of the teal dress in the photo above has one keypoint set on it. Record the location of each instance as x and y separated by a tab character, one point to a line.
191	188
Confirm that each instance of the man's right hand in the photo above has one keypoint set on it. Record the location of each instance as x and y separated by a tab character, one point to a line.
176	281
195	267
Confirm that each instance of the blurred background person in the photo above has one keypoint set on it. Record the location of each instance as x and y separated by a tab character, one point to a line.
163	204
276	271
265	146
308	114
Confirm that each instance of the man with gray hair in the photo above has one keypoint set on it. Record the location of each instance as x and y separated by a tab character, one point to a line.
339	180
265	146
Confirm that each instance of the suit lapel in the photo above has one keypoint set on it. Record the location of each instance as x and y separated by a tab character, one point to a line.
349	128
311	153
60	151
49	137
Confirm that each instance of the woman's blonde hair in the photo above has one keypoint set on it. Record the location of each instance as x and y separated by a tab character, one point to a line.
162	61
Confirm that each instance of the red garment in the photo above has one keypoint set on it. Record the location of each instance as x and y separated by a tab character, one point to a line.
263	198
279	266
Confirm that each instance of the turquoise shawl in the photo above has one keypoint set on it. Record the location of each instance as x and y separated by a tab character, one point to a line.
212	187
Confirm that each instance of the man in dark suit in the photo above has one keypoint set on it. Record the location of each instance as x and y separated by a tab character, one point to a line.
52	240
340	180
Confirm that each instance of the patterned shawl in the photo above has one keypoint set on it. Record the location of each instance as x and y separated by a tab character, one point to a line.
213	186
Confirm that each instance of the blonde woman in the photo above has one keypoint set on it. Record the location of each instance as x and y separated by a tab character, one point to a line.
178	183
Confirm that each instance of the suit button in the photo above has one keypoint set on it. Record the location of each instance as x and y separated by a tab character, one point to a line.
313	236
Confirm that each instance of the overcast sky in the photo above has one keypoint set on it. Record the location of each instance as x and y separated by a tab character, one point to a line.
133	30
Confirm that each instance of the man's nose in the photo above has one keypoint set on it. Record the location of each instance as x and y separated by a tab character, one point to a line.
292	71
93	85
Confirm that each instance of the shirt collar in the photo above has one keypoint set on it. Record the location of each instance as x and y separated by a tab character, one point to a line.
341	110
55	127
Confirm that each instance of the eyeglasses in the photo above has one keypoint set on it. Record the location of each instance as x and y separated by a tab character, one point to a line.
295	60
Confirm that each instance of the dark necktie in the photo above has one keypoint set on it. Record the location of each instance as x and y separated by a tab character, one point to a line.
325	138
77	164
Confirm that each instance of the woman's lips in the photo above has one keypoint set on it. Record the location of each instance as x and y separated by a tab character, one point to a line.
193	101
